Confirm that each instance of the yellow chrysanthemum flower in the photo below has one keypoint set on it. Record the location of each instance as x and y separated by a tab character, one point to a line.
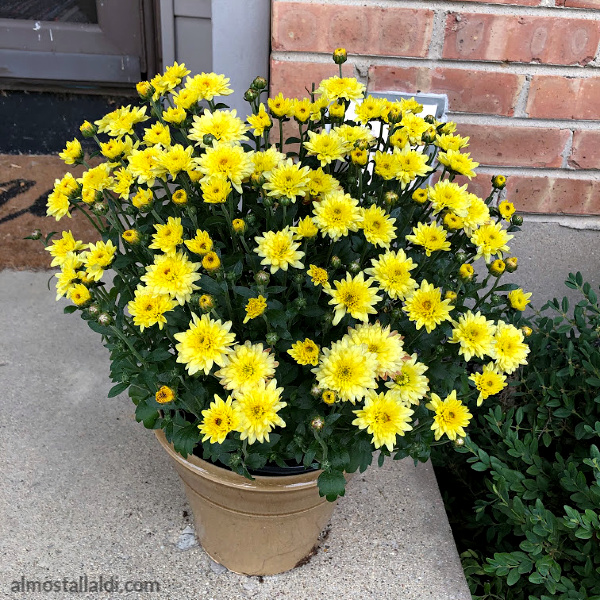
78	294
489	382
408	384
385	344
447	142
356	134
168	236
305	353
173	275
142	199
519	299
491	240
383	417
335	88
158	133
211	261
215	188
385	165
355	296
321	183
97	178
57	206
266	160
415	127
142	163
122	183
97	257
68	274
186	98
369	109
279	250
327	146
347	369
73	153
255	307
451	416
466	271
378	226
224	125
117	147
261	121
447	195
474	333
60	249
148	308
305	229
431	236
506	209
391	271
230	160
205	343
426	308
173	160
219	419
508	350
256	409
410	164
281	107
246	366
120	122
174	115
287	180
458	163
301	109
478	214
209	85
318	275
337	214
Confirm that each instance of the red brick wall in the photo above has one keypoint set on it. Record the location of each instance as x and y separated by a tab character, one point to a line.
522	79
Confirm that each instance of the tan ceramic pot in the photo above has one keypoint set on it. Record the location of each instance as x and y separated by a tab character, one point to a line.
258	527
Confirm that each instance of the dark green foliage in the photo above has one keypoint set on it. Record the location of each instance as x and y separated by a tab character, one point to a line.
523	495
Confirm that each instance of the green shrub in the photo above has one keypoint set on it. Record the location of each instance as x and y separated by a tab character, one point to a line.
531	468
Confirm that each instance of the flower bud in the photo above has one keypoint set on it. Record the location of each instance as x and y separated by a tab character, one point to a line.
461	256
317	423
251	219
359	157
208	139
262	278
250	95
527	331
328	396
511	264
340	56
390	198
394	115
466	272
259	83
354	267
272	338
315	391
104	319
300	303
144	89
496	299
131	236
517	220
235	460
239	226
93	310
458	442
285	201
337	110
206	302
230	276
328	317
430	119
267	201
257	180
497	267
87	129
299	277
336	262
180	197
36	234
499	182
130	210
397	313
211	261
419	196
99	208
429	136
450	295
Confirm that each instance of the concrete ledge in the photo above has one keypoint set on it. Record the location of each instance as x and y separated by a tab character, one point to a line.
85	490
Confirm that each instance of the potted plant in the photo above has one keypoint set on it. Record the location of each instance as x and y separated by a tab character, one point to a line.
290	306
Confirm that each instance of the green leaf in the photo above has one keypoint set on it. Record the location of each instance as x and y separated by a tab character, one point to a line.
115	390
69	309
147	414
210	286
331	484
513	577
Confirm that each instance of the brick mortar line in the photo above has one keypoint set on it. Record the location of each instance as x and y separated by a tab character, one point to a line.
557	173
474	119
591	14
586	222
409	62
521	103
438	33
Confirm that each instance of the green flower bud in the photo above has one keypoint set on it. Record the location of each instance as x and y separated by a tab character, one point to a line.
315	391
461	257
272	338
499	182
259	83
208	139
300	303
285	201
262	278
299	278
104	319
391	198
93	310
511	264
354	267
250	95
496	299
99	208
340	56
317	423
336	262
36	234
517	220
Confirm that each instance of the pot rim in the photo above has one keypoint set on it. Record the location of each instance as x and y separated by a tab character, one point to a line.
261	483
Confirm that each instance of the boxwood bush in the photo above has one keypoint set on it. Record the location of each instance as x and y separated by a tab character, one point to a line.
523	491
